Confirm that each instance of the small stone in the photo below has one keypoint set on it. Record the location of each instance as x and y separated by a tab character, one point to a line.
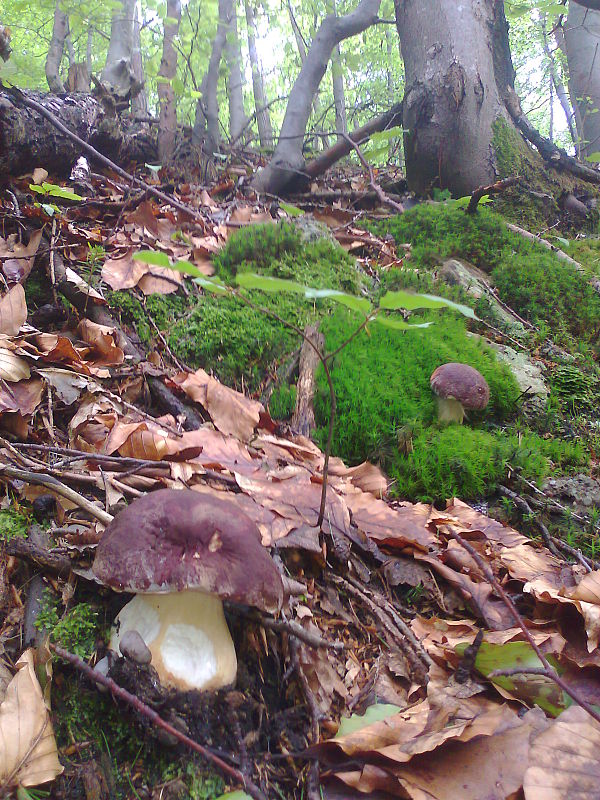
133	647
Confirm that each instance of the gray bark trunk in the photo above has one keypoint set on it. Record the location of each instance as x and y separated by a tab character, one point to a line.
139	104
287	162
559	86
582	40
235	81
206	125
118	75
263	118
60	30
167	121
337	77
452	55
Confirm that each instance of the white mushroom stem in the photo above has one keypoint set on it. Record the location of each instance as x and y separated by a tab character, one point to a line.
450	410
188	637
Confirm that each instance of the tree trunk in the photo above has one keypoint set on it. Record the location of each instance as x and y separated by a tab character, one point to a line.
118	75
60	29
582	39
139	103
559	86
287	162
235	81
167	121
206	125
337	76
263	118
28	139
457	63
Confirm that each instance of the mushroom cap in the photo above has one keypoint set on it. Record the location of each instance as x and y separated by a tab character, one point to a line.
463	383
172	540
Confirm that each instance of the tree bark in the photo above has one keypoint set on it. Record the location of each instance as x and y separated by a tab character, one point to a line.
235	80
303	419
60	29
559	86
339	94
118	75
167	120
287	163
27	138
582	40
139	103
456	58
206	125
263	118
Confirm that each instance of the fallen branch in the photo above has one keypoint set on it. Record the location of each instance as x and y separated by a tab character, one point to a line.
493	188
135	702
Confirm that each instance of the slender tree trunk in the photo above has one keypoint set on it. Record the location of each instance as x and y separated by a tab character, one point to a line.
582	39
206	126
118	75
167	123
287	162
235	82
263	118
559	86
60	30
139	103
456	57
88	50
337	75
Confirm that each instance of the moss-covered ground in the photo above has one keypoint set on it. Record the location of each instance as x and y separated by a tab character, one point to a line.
386	411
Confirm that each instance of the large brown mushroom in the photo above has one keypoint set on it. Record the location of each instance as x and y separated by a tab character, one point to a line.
182	553
458	387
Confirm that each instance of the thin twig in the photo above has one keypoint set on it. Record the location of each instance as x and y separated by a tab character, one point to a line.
135	702
494	188
493	581
294	629
383	197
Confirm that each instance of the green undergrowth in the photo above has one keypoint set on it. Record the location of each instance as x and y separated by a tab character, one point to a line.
384	401
238	343
530	279
75	629
12	523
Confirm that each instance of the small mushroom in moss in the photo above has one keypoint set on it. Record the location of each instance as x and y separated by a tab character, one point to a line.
182	553
458	388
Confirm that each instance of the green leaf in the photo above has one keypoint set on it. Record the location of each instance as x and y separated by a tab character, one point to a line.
153	167
187	269
393	301
35	188
239	795
211	286
349	300
66	194
249	280
595	157
564	242
153	257
374	713
531	689
292	211
398	324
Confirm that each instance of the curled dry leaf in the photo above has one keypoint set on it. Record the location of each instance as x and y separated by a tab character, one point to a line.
123	272
20	265
13	310
28	754
102	340
22	397
565	760
13	368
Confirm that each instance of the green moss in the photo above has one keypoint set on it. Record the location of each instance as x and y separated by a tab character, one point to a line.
529	278
12	523
282	402
587	252
75	630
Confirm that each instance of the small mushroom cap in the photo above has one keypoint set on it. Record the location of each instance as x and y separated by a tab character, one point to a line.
463	383
172	540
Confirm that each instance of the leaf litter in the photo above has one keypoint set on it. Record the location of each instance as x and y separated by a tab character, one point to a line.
377	702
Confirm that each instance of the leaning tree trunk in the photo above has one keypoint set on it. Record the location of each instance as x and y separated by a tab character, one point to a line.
118	74
452	53
235	81
582	40
287	163
206	125
60	30
337	77
263	118
27	138
559	86
167	121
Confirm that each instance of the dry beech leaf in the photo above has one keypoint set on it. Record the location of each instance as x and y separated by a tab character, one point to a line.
17	268
13	310
22	397
12	367
28	754
144	444
565	759
102	340
123	272
67	385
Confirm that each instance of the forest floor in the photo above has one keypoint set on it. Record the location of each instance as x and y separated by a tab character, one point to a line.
447	554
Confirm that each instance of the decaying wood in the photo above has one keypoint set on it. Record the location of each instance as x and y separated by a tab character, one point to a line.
303	419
